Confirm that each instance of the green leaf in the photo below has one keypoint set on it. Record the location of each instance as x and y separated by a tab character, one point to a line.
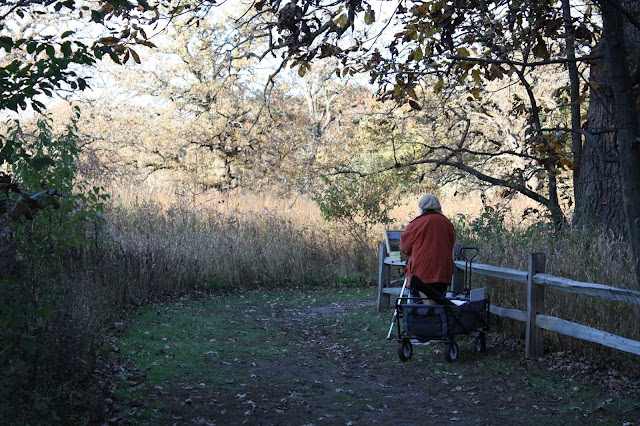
439	86
540	50
145	43
28	347
51	51
13	67
463	52
6	43
135	56
65	48
418	54
96	16
41	163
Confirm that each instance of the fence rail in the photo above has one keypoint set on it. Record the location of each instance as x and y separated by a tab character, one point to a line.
494	271
536	321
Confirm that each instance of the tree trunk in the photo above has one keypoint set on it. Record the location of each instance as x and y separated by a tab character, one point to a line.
627	111
597	189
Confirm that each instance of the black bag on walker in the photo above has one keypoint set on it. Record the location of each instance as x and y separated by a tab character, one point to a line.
468	316
425	321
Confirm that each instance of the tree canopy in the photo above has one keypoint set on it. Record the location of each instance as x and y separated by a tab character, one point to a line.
39	58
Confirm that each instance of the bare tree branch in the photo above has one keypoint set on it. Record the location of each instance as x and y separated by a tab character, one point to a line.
592	140
527	64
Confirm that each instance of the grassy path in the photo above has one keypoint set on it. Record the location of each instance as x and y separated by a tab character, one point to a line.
322	358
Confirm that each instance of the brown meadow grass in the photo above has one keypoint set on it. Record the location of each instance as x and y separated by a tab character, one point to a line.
229	242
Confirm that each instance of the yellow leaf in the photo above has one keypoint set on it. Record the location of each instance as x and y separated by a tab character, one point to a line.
412	93
476	76
369	18
341	21
463	52
418	54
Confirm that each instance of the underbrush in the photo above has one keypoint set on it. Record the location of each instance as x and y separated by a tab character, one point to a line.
58	306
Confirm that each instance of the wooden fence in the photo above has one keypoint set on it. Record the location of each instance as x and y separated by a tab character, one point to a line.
536	321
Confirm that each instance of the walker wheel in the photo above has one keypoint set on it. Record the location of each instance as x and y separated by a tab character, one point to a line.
451	351
405	349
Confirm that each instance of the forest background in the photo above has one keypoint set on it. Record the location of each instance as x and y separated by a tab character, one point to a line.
157	149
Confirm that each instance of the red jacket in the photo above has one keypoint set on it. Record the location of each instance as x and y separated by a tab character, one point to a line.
428	241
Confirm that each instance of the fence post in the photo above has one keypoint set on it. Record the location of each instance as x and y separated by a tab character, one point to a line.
535	305
457	281
384	279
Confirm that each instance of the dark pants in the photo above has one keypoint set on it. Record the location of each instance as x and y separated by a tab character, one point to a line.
433	291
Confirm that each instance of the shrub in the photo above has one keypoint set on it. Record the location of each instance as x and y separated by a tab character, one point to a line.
49	211
359	205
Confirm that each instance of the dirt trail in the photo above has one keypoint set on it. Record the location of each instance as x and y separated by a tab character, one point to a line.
324	379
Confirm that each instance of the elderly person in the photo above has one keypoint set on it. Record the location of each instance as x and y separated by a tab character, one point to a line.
428	241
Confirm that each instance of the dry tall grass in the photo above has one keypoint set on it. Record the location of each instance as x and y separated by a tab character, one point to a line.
232	241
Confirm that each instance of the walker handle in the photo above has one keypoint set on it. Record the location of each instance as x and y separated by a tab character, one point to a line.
462	253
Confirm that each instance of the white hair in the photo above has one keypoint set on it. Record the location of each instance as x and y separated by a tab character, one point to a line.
429	202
